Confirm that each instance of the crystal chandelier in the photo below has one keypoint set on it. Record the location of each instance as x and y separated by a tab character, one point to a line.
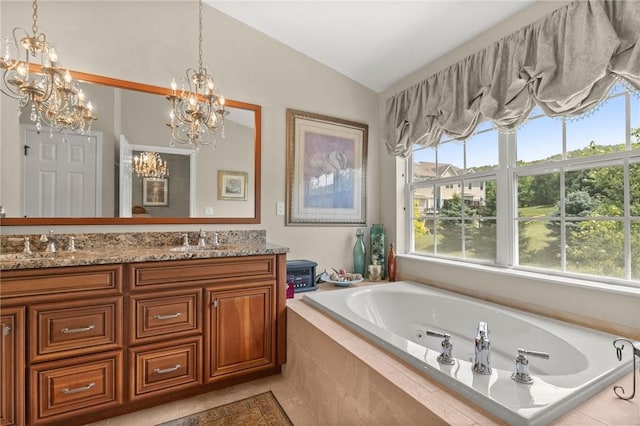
149	164
32	74
197	111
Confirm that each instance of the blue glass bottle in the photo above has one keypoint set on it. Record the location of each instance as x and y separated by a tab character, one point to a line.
359	253
378	246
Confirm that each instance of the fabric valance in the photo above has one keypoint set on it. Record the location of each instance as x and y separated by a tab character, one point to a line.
565	63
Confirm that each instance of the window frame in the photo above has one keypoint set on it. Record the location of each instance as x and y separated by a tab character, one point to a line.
506	176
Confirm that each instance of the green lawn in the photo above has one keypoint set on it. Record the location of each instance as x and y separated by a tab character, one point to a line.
535	211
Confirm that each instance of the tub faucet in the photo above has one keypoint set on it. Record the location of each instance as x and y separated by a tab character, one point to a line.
521	373
482	363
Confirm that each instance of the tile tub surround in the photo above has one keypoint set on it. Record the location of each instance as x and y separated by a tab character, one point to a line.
350	381
107	248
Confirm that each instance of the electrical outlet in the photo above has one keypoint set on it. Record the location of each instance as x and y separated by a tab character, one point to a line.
208	211
280	208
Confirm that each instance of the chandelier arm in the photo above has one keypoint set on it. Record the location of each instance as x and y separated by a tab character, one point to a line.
11	93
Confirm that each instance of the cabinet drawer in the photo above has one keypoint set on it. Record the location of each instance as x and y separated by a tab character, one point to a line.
227	269
74	387
75	328
51	282
156	315
161	368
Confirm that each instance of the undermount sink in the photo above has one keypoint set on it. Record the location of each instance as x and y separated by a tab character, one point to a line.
196	249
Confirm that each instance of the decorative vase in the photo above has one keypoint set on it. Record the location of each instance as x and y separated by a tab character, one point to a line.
391	261
359	253
378	247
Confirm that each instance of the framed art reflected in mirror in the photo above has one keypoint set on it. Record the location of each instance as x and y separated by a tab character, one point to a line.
155	191
232	185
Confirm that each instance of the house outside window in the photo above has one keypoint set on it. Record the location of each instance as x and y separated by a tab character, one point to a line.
569	192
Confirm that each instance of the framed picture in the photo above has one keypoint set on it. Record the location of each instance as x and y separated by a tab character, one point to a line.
232	185
326	170
155	191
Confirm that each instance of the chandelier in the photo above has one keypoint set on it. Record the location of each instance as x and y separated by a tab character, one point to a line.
32	74
149	164
197	111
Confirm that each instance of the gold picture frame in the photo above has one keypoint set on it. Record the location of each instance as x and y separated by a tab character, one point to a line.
232	185
326	170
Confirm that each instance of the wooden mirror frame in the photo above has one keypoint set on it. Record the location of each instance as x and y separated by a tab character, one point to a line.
140	87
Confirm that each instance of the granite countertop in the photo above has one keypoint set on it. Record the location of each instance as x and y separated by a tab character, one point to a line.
130	248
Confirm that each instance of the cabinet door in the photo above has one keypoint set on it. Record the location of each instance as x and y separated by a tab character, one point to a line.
241	330
12	373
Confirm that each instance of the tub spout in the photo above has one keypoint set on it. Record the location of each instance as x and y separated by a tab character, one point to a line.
482	362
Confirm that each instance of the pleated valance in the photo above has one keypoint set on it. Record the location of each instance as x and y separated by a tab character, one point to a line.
565	63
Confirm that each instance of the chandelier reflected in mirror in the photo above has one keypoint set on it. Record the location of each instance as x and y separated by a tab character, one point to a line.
149	164
32	74
197	110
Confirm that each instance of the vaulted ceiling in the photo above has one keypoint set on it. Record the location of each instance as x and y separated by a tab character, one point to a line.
376	43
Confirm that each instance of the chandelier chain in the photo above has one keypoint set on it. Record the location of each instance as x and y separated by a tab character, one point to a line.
34	27
200	35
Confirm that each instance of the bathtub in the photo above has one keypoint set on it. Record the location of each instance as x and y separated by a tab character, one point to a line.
582	361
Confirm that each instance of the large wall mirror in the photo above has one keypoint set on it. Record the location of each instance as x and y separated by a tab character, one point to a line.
132	119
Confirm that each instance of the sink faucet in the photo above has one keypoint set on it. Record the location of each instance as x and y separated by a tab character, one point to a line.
27	246
51	243
482	362
202	238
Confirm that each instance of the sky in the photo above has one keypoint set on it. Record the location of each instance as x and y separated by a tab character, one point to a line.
542	137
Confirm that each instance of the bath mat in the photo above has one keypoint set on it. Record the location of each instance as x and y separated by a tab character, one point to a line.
259	410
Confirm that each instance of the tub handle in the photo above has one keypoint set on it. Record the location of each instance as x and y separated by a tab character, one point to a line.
636	352
521	373
446	356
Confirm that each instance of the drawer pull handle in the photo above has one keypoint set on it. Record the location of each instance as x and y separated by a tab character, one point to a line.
166	317
68	391
77	330
167	370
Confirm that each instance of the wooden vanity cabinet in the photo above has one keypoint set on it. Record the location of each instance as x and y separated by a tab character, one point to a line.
12	379
71	322
84	343
237	315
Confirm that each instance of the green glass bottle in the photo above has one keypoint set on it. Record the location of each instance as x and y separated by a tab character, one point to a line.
376	239
359	253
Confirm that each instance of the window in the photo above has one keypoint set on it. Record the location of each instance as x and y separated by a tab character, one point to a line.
571	196
458	179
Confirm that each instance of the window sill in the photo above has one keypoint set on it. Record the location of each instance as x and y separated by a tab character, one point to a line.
536	276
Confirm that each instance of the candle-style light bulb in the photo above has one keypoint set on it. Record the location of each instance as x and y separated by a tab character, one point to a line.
67	77
174	86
